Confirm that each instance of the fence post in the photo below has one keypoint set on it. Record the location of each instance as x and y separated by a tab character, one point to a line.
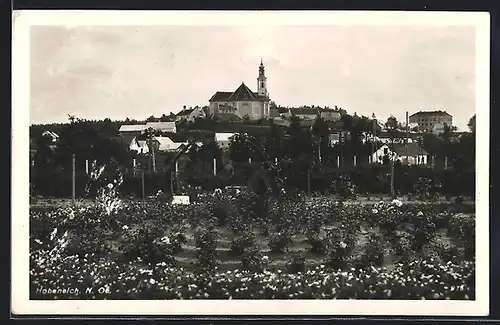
215	166
338	161
86	166
354	158
445	162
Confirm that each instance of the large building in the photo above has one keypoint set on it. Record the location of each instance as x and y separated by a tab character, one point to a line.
243	102
427	119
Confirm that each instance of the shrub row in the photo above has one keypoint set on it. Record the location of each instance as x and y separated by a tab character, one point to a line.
368	180
109	280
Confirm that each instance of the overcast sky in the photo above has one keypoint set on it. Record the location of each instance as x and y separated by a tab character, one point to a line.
135	72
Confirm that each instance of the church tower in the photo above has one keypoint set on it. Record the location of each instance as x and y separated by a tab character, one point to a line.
262	81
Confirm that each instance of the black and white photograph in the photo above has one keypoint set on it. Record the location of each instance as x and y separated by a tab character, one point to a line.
250	162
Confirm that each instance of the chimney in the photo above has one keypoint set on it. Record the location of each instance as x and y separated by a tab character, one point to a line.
184	108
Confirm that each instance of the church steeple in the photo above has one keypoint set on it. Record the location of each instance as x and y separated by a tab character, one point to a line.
262	80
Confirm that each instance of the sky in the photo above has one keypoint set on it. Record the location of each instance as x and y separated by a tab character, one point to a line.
125	71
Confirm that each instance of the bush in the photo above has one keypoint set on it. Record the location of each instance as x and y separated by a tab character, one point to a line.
278	243
206	244
426	189
252	260
297	262
242	243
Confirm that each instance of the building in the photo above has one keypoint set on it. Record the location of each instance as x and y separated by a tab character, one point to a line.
329	114
416	154
303	113
227	113
51	135
132	130
224	139
190	114
243	101
139	146
162	126
427	119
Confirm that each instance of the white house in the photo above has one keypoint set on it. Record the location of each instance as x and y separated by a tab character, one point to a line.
223	139
438	128
190	114
416	154
52	135
139	146
162	126
329	114
166	144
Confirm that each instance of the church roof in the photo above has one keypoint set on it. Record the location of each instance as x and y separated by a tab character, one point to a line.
221	96
243	93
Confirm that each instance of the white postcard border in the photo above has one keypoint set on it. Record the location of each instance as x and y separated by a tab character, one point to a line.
21	304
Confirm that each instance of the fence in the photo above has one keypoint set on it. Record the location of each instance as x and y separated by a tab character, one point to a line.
58	182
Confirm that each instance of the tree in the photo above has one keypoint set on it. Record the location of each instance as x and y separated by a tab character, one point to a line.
239	149
392	128
44	154
448	132
472	124
151	119
321	131
78	137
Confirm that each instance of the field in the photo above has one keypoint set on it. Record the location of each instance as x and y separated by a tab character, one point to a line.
236	245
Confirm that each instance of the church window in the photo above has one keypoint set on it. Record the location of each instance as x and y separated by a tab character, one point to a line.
262	84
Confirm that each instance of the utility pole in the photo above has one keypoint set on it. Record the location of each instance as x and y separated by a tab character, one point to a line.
153	157
373	135
406	142
73	178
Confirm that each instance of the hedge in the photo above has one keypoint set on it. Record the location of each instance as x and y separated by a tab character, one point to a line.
368	180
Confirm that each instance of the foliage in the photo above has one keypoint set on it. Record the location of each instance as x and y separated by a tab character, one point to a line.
71	247
344	187
206	242
426	189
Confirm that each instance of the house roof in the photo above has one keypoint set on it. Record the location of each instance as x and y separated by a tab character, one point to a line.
142	143
223	137
425	113
50	133
400	148
274	112
242	93
185	112
133	128
304	111
161	125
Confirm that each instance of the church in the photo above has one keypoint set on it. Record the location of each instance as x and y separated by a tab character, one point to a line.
243	102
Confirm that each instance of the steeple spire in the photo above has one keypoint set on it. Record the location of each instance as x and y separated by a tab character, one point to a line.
262	80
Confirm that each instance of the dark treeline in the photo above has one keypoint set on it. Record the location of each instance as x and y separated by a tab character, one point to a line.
307	148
